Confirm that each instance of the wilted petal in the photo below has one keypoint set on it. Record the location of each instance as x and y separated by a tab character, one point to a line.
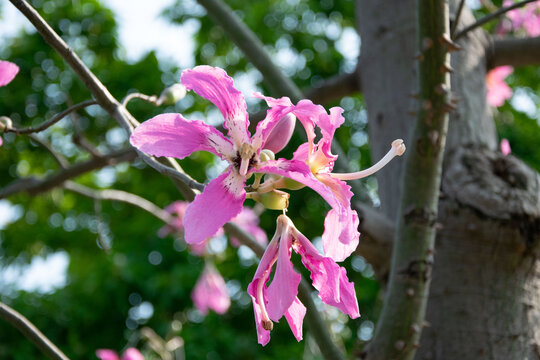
284	287
8	71
328	277
259	282
295	318
173	135
220	201
106	354
215	85
132	354
210	292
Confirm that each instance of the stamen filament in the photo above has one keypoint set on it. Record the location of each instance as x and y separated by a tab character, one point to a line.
398	148
244	166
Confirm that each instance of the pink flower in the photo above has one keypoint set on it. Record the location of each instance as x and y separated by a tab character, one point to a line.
497	90
8	71
129	354
505	147
526	18
173	135
280	297
247	220
210	292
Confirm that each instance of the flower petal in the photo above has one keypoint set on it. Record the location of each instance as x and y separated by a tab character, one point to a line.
284	287
259	280
328	277
8	71
132	354
173	135
249	221
214	84
106	354
341	224
220	201
295	317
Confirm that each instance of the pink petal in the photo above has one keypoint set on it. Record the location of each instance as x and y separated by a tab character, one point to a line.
295	317
249	221
177	208
280	135
262	275
106	354
220	201
328	277
214	84
210	292
505	147
8	71
173	135
341	231
132	354
284	287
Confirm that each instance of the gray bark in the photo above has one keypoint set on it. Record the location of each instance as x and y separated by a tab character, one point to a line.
485	300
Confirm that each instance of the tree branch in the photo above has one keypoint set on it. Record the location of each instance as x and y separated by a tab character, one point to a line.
122	196
490	17
400	325
32	333
513	51
53	120
34	186
335	88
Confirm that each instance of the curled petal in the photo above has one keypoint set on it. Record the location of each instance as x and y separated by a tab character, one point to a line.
295	318
328	277
284	287
215	85
8	71
173	135
220	201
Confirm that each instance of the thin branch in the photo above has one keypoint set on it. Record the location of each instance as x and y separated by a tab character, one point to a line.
122	196
34	186
335	88
53	120
98	90
456	20
513	51
400	325
32	333
490	17
59	158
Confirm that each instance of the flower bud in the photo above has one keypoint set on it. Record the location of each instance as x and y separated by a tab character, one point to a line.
172	94
5	123
273	200
281	133
266	155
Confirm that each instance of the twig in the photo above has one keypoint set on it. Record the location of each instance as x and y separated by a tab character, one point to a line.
122	196
490	17
456	20
53	120
32	333
59	158
513	51
148	98
33	185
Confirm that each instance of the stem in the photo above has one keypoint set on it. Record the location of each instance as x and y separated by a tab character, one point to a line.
399	328
490	17
32	333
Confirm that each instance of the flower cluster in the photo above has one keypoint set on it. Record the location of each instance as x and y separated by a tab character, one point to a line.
523	19
254	156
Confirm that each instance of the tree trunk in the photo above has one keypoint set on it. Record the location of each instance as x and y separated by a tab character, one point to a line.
485	300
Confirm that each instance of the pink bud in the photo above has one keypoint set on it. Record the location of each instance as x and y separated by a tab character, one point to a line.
505	147
8	70
281	134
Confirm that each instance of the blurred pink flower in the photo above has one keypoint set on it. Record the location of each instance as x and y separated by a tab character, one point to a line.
497	90
525	18
505	147
210	292
129	354
8	71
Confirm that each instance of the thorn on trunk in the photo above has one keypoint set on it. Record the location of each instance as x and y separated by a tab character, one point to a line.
450	45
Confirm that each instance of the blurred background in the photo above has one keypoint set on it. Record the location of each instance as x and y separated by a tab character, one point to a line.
92	276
